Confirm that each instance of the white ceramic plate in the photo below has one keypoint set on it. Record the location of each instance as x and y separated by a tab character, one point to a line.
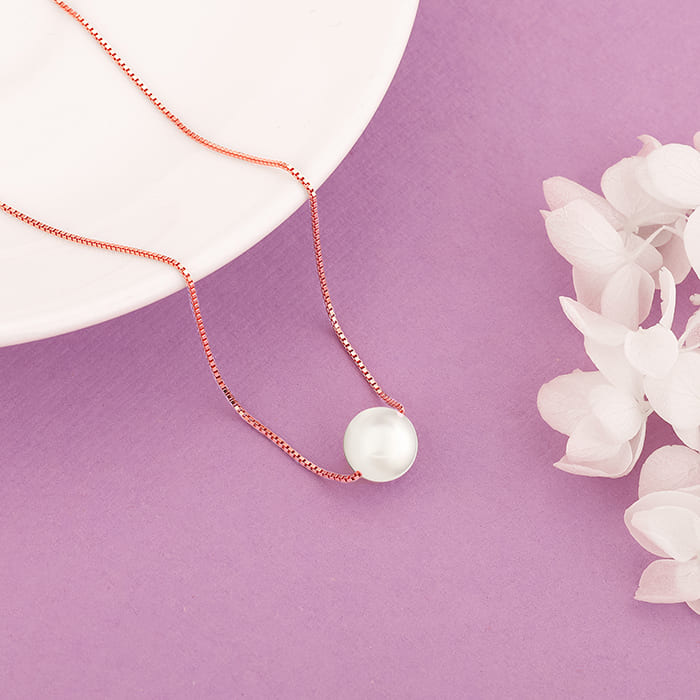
83	150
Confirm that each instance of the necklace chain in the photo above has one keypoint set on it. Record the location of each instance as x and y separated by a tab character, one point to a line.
315	229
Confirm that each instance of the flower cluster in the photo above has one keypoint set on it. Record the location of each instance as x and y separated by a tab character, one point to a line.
641	236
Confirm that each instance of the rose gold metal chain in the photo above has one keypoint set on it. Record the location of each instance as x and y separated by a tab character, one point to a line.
315	229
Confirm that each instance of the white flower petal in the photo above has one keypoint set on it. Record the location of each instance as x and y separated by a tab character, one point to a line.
649	144
621	187
652	351
674	530
694	605
619	464
669	581
675	258
589	287
637	444
667	285
628	295
666	523
691	238
565	401
674	174
565	465
689	436
617	412
590	442
583	236
560	191
593	325
670	468
613	365
657	212
676	397
691	335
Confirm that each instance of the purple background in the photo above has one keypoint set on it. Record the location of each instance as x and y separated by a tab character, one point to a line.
153	545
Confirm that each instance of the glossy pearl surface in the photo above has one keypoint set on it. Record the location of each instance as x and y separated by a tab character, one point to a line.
381	443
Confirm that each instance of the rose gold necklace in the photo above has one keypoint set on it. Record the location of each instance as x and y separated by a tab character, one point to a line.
380	443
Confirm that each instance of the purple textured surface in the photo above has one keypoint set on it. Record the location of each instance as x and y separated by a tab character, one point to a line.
154	546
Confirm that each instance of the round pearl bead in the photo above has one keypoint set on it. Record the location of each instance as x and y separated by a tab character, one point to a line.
381	443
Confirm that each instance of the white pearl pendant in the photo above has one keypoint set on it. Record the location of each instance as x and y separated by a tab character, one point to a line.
380	443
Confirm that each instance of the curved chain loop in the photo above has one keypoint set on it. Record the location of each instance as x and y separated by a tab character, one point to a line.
315	229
